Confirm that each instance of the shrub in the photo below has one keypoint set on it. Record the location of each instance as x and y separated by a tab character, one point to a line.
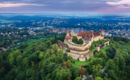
76	41
67	50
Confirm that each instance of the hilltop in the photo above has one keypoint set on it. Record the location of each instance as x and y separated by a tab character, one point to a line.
42	60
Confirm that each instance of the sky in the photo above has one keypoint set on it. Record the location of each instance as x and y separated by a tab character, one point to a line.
75	6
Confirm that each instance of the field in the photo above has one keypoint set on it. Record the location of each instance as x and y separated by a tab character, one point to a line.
79	63
8	21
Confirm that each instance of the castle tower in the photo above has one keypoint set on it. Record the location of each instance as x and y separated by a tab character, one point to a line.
68	36
68	33
102	32
92	32
72	33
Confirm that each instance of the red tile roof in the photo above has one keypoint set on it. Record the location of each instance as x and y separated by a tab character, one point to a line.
102	30
96	33
88	34
67	31
67	38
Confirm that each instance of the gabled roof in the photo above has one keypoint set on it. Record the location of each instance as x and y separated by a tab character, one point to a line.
96	33
67	38
68	31
88	34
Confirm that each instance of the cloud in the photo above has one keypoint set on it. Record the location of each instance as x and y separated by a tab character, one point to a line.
5	5
108	6
120	4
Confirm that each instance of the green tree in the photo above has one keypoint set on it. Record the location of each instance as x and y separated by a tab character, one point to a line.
80	41
98	78
78	78
111	52
97	70
67	50
63	74
75	39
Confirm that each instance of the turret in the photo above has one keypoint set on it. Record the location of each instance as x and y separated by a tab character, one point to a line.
72	33
102	32
92	32
68	36
68	33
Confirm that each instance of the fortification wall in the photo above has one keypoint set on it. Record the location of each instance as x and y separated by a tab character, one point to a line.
89	55
74	56
79	52
79	47
79	37
98	38
83	47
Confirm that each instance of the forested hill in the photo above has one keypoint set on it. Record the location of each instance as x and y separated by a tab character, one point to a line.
42	60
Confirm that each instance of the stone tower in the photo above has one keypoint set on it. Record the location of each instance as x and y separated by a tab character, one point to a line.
92	32
68	33
72	33
102	32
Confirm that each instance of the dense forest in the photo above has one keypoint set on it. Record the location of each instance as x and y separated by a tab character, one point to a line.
42	60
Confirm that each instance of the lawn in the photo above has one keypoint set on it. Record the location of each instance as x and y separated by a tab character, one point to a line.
105	48
80	63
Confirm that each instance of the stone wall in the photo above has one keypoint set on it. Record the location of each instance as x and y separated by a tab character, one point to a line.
88	56
83	47
78	47
79	52
98	38
82	58
74	56
77	55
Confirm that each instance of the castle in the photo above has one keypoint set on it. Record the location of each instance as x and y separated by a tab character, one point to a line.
87	37
81	51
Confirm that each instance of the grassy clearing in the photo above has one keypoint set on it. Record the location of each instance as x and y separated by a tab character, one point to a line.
79	63
105	48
